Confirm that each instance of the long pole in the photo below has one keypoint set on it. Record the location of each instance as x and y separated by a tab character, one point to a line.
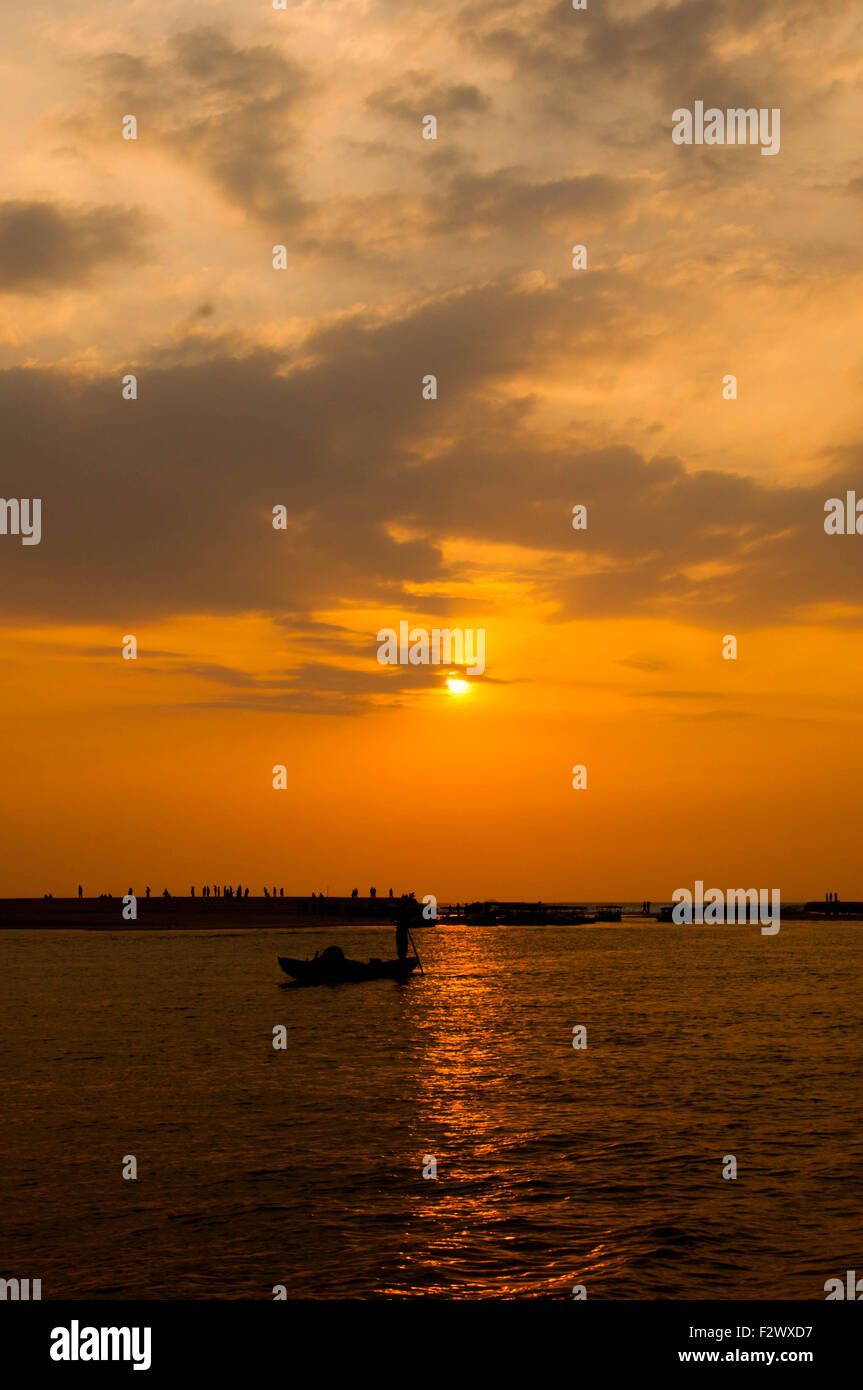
416	952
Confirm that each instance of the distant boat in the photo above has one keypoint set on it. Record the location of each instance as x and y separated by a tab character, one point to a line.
334	968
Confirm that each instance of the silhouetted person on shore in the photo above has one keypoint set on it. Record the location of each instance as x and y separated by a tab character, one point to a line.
281	892
148	892
80	891
166	894
373	892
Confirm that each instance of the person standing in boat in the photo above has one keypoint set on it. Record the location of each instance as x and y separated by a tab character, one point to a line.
402	936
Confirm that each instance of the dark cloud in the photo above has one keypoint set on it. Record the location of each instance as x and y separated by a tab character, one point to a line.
647	663
47	245
316	687
111	653
226	110
508	203
164	505
670	54
419	94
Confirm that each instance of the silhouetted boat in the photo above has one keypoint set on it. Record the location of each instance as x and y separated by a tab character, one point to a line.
334	968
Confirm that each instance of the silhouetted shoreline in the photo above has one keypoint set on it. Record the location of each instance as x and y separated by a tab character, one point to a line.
256	913
191	914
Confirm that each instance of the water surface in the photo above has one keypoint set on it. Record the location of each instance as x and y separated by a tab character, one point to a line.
303	1167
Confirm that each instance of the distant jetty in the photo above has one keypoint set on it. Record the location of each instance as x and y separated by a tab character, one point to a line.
816	911
533	914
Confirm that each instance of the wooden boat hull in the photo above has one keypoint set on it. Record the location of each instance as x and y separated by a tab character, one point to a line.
343	971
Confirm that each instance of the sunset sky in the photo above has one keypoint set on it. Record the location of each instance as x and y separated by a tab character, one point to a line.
302	387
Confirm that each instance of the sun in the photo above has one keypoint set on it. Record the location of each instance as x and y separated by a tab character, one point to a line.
457	687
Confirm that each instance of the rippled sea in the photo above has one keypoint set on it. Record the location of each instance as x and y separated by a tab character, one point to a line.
304	1167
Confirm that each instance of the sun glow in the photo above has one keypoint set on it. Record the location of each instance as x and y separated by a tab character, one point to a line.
457	687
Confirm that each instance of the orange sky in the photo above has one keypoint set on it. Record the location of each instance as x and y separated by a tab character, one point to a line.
302	388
